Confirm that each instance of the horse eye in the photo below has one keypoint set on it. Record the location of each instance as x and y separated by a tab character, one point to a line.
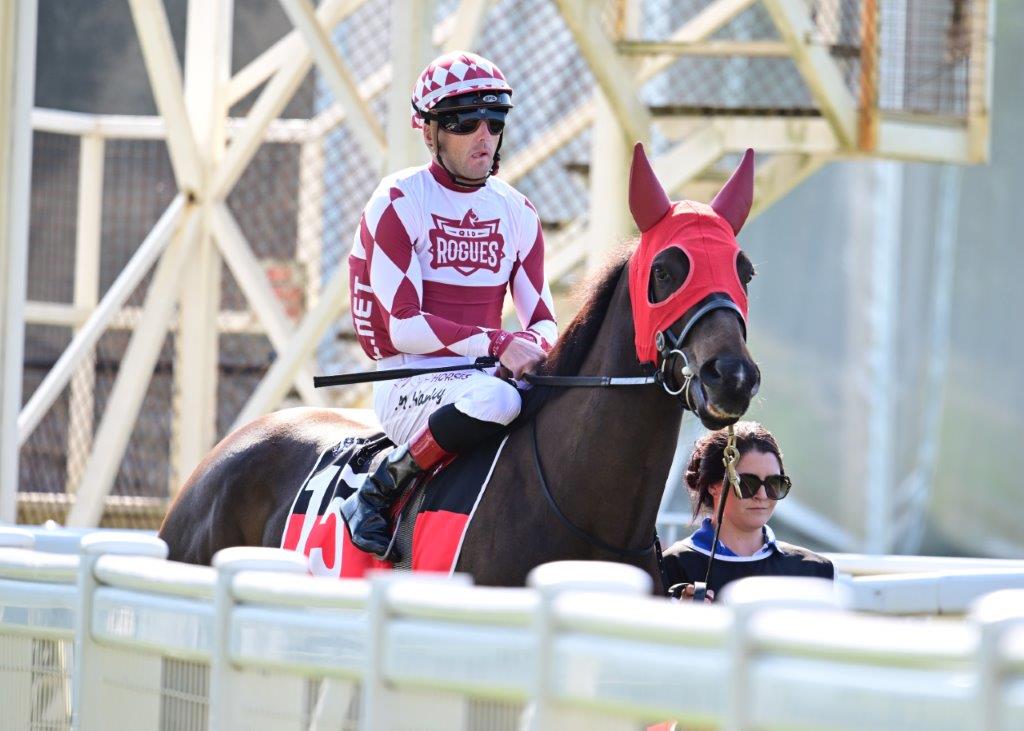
660	273
745	269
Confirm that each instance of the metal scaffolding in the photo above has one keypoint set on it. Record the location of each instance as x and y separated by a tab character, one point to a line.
627	65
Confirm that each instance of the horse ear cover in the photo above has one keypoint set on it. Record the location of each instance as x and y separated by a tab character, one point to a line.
650	206
648	201
735	198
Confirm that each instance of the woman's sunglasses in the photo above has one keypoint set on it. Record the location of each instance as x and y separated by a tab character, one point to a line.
776	487
466	123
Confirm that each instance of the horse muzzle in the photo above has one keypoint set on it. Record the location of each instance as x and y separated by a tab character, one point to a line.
721	392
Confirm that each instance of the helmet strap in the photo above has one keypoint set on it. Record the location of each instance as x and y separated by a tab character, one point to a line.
497	155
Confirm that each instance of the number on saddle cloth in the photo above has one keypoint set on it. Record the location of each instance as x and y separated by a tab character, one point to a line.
437	514
314	526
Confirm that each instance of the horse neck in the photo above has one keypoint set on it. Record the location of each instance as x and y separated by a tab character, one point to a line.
624	437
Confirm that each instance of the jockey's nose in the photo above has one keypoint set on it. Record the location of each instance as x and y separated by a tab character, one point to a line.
730	374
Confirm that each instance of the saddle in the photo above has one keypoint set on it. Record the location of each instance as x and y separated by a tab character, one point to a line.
431	519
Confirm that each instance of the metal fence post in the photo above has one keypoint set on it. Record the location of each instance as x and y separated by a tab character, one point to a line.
994	614
17	84
88	691
225	690
380	707
746	598
551	580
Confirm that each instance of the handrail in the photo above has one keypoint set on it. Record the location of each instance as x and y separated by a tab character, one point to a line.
845	637
28	565
287	590
859	564
157	576
141	127
664	622
463	604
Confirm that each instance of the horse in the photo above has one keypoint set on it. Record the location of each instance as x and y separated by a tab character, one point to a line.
583	470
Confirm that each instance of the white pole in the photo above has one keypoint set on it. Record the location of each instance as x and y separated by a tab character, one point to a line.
365	128
207	72
310	224
17	87
610	221
274	386
227	695
87	286
915	490
140	263
610	153
279	55
133	377
254	284
880	367
469	16
161	60
88	679
550	580
881	257
275	95
411	29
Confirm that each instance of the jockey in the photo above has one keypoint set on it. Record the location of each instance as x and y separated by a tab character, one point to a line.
436	249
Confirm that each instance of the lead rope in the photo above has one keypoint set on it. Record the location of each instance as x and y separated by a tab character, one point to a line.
730	455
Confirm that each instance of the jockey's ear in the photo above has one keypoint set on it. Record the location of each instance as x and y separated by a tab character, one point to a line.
430	135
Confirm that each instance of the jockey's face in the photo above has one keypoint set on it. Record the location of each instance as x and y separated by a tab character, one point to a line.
468	156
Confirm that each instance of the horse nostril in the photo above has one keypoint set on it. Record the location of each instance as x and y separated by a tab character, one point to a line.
728	372
711	373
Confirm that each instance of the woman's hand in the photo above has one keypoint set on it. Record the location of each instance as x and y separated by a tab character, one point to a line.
688	591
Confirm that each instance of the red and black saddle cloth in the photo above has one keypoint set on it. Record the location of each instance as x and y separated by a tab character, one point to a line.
435	514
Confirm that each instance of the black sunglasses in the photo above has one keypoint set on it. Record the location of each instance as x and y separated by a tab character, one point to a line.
466	123
776	487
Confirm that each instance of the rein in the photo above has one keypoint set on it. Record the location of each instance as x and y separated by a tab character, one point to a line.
573	528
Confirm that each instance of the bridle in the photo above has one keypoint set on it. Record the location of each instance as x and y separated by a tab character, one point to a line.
670	348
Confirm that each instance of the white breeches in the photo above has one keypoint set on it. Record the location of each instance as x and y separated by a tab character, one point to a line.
403	406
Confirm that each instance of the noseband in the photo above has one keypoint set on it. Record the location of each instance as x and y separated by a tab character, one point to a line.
670	348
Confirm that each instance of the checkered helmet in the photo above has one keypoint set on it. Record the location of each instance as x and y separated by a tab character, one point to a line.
459	74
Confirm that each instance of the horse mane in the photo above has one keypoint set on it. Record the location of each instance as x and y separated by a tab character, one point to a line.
573	345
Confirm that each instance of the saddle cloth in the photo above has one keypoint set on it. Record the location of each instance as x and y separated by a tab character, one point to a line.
315	528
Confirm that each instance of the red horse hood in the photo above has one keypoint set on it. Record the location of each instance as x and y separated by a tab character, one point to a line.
705	233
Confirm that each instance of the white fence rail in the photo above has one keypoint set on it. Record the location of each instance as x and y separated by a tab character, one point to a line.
254	643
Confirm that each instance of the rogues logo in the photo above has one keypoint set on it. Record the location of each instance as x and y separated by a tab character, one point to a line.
467	245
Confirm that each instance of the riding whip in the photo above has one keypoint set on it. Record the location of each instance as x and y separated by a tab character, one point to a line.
347	379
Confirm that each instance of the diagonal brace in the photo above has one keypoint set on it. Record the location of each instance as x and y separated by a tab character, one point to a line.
614	77
792	18
251	278
165	79
365	126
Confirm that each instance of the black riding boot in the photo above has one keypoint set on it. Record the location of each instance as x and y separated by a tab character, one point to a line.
366	511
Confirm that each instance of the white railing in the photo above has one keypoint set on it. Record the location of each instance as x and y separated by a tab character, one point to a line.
255	643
